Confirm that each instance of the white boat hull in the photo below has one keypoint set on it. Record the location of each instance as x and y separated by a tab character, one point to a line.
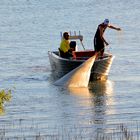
61	66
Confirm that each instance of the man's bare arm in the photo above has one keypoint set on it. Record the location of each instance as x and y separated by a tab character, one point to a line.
113	27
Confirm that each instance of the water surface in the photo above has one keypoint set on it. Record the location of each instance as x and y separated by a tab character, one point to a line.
28	30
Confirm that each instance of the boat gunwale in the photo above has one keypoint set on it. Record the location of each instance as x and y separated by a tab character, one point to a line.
75	60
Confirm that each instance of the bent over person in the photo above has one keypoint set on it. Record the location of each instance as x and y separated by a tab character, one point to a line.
99	41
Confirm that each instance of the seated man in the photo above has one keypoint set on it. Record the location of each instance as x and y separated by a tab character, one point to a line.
64	49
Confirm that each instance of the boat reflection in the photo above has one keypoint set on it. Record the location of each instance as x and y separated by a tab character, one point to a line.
99	98
103	100
102	87
95	88
80	92
96	103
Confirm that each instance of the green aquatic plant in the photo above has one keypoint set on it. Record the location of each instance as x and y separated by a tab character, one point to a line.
5	96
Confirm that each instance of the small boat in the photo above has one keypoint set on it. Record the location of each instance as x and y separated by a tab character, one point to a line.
61	66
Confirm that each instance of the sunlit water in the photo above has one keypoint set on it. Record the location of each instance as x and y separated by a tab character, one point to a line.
31	28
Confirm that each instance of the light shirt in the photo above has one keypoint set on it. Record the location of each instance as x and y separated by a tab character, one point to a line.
64	45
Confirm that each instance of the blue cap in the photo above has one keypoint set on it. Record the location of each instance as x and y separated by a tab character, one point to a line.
106	21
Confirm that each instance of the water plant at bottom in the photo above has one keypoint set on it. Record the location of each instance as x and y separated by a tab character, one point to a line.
5	96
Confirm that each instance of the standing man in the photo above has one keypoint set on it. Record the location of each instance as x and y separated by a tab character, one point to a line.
99	41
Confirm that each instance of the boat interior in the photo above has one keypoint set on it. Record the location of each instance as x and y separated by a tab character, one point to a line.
84	55
80	55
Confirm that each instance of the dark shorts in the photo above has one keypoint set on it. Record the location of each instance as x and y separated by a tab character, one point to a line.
98	45
66	54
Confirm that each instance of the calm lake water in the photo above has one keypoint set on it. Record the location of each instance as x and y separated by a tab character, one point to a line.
38	109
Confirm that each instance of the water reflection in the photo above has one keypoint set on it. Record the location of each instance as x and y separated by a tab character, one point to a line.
80	91
97	87
101	87
99	98
102	100
97	101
